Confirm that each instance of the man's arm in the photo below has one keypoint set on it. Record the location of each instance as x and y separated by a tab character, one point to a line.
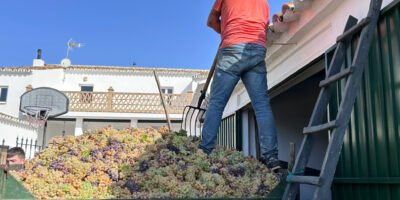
213	21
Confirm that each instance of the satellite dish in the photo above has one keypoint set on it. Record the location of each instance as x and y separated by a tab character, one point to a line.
65	62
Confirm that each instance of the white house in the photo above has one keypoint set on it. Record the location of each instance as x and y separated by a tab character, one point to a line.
135	100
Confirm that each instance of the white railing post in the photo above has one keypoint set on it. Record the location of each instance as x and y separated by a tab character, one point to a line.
78	126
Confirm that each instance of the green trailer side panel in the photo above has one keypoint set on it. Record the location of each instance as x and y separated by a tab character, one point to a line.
277	192
369	165
12	189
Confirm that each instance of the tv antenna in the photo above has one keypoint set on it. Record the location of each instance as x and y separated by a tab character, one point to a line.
71	44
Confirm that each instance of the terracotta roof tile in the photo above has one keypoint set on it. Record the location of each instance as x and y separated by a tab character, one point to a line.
14	69
291	11
198	72
138	69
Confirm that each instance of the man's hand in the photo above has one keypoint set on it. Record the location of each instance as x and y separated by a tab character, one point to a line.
213	21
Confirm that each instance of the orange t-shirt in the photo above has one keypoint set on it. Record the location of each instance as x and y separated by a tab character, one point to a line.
242	21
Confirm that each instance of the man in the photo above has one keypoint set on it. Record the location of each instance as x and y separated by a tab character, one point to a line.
242	25
15	156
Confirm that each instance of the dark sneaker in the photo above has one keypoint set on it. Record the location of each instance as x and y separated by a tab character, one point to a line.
274	165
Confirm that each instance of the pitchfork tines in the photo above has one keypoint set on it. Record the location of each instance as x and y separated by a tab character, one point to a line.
193	125
193	117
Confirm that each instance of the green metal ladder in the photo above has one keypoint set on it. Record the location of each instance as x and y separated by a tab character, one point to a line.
339	125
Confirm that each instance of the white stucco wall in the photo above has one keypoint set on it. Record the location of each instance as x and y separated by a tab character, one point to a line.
47	78
10	130
134	82
315	32
16	83
126	81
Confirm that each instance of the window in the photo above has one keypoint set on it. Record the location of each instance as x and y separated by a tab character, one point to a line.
86	94
3	94
167	90
87	88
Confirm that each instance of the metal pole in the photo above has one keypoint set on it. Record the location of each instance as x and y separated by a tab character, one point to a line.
44	133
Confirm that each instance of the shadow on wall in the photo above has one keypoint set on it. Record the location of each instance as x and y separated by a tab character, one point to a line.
292	110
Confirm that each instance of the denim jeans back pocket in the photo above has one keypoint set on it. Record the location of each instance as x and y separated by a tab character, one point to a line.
260	66
229	60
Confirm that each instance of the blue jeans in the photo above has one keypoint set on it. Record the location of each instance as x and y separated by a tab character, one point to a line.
246	62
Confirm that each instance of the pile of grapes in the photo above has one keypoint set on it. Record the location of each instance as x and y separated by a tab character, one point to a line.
141	163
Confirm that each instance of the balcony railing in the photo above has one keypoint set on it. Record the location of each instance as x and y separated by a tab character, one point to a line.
126	102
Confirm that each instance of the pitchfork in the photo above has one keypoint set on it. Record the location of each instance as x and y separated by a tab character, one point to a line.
189	111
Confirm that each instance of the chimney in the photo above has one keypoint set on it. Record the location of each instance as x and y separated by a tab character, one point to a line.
38	62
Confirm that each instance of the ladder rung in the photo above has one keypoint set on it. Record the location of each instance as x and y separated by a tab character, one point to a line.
353	29
336	77
322	127
311	180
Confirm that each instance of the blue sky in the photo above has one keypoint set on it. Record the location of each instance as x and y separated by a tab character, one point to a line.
151	33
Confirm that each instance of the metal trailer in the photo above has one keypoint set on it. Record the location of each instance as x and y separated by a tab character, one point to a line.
10	188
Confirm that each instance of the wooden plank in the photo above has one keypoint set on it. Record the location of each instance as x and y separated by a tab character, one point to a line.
318	128
336	77
3	158
162	100
310	180
354	29
292	155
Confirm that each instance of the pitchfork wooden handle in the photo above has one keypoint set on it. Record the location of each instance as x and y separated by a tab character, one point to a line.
210	75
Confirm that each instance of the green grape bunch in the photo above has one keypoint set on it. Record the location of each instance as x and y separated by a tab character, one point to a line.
141	163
